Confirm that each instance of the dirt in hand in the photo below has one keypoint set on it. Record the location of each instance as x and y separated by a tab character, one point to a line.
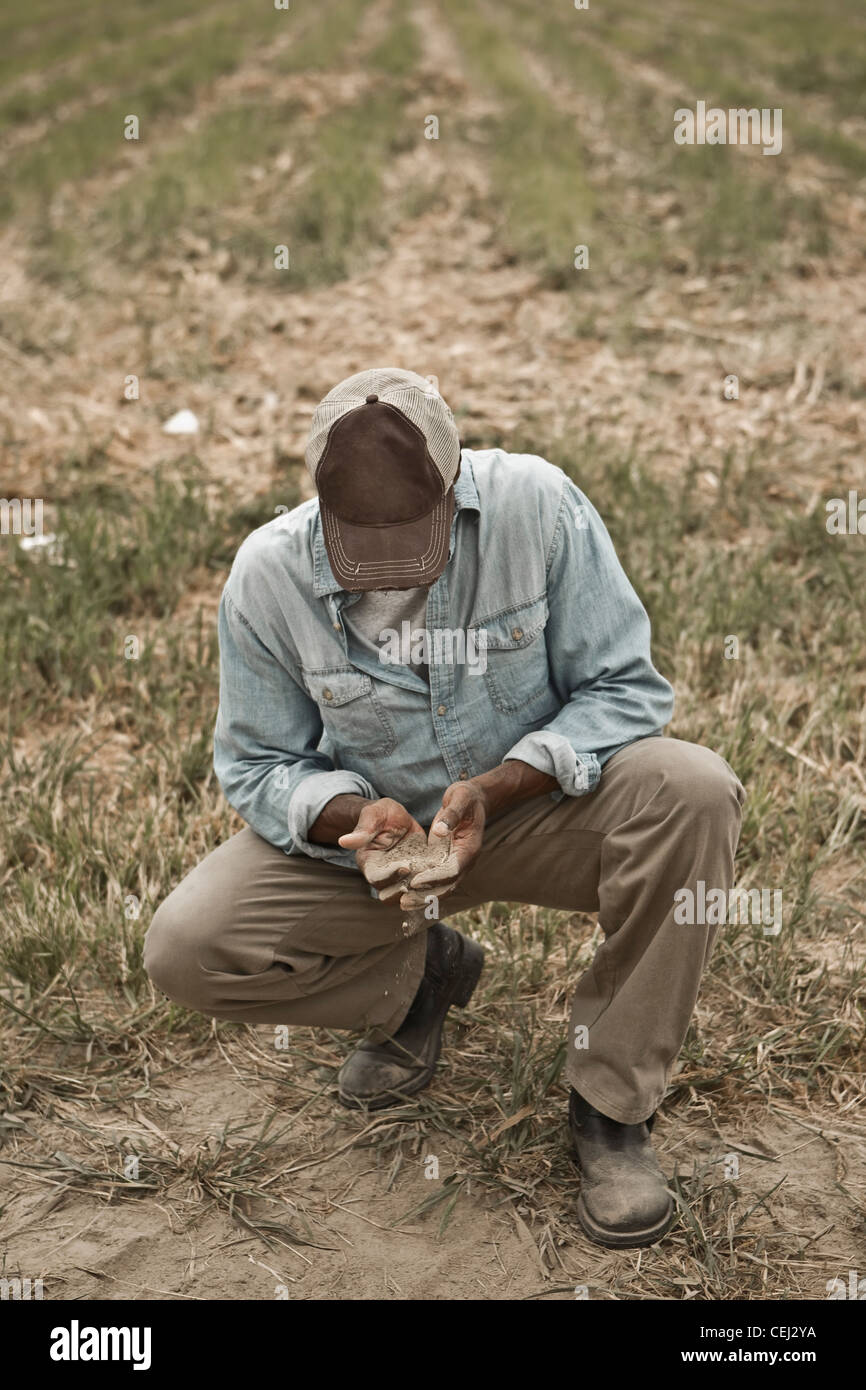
391	871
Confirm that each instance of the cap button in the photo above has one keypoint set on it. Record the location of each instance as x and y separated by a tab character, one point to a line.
371	399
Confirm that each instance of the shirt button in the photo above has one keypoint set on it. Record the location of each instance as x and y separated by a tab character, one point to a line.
463	774
328	694
336	627
517	633
441	710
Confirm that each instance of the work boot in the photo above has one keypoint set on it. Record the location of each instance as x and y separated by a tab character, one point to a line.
623	1192
380	1074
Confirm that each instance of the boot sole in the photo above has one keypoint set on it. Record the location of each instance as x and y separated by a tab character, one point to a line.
465	985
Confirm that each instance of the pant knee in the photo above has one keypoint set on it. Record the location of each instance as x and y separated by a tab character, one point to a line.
697	783
717	791
172	958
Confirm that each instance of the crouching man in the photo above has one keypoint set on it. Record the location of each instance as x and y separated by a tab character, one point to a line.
541	772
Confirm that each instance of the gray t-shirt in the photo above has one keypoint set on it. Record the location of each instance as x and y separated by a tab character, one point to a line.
376	624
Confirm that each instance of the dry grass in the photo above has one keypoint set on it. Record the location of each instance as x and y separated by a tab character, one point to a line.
453	256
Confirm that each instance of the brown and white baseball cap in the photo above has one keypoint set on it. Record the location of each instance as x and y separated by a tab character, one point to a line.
384	452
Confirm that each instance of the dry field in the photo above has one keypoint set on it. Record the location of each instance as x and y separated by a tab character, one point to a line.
145	1153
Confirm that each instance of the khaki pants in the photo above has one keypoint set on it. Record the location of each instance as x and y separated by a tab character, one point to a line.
258	936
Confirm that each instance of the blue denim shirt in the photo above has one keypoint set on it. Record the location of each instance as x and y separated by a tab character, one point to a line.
305	716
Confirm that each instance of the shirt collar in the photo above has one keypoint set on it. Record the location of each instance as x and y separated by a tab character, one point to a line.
465	498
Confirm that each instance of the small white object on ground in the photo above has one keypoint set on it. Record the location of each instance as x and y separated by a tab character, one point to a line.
35	542
183	422
49	545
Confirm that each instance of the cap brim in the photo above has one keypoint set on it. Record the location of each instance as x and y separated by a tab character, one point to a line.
399	556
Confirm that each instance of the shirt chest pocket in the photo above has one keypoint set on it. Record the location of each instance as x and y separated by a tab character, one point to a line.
352	714
517	673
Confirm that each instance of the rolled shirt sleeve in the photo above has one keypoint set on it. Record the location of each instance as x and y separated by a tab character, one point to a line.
598	641
266	756
554	754
309	800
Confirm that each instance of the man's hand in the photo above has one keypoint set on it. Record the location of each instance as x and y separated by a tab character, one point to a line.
382	825
387	839
462	816
465	810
